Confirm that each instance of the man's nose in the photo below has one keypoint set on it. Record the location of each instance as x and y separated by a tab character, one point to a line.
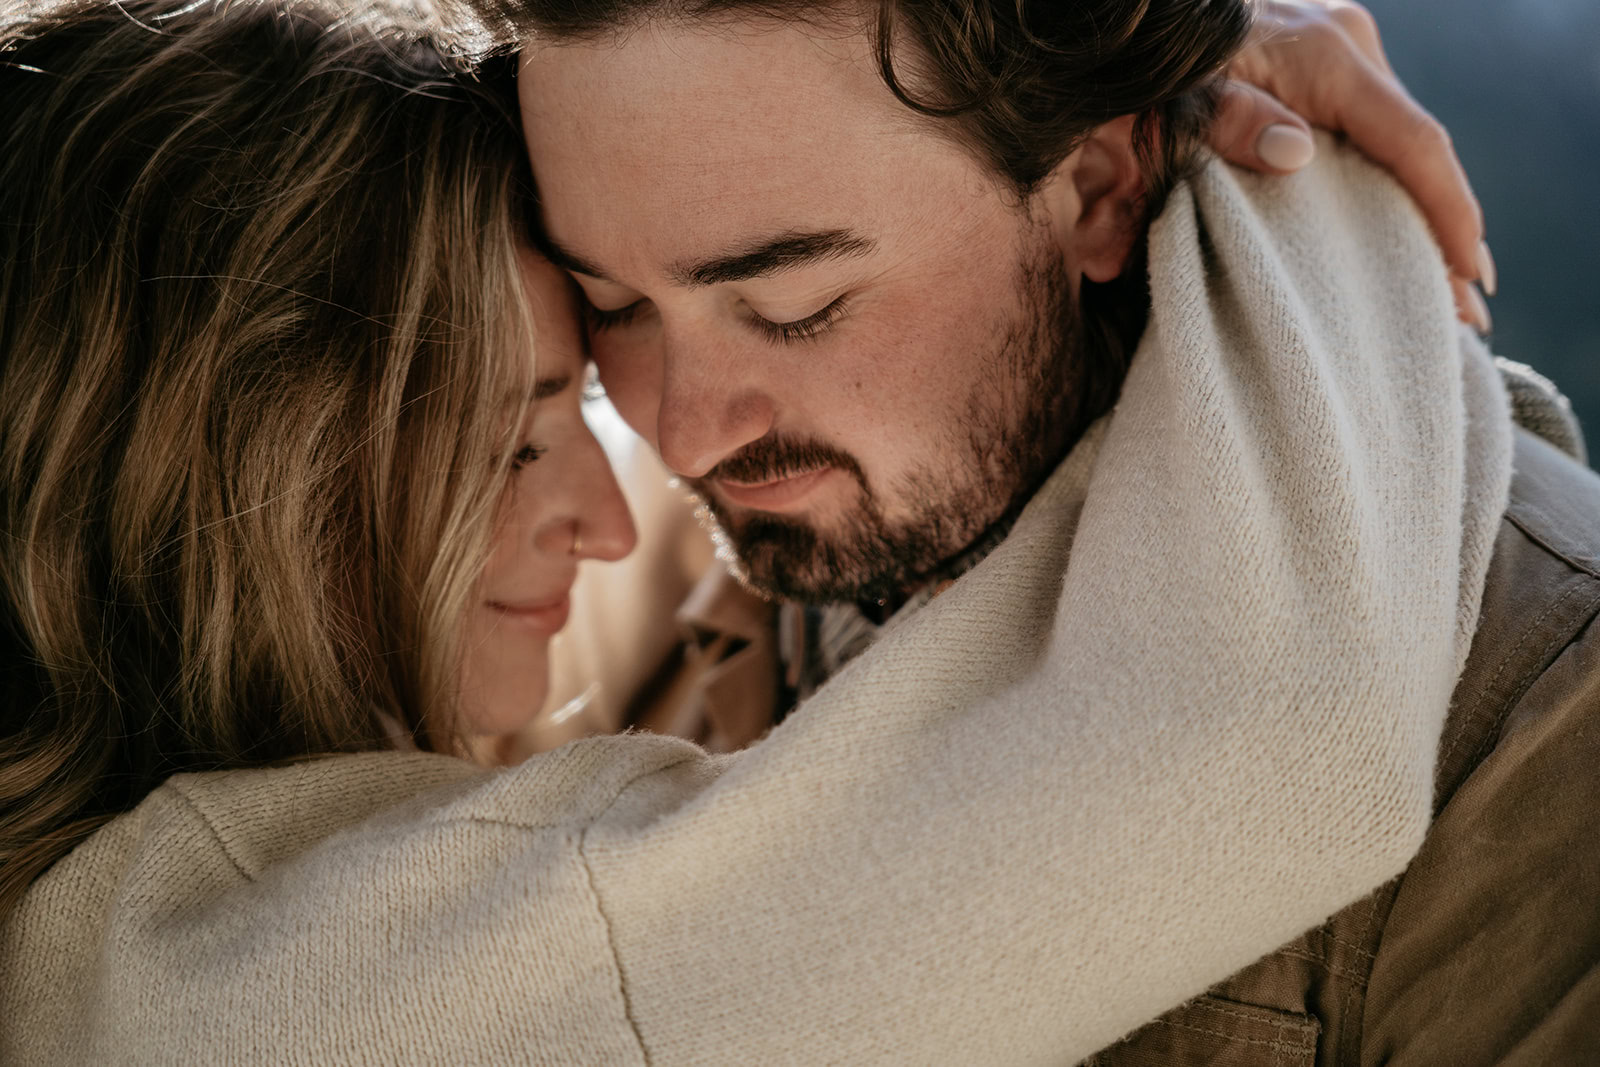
711	406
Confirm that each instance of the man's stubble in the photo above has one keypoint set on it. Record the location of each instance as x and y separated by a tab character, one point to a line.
1022	418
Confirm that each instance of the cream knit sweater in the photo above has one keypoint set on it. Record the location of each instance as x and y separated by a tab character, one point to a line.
1187	709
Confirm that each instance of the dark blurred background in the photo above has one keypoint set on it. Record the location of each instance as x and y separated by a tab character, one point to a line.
1517	82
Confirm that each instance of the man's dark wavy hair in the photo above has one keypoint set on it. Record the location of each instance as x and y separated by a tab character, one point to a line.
1020	83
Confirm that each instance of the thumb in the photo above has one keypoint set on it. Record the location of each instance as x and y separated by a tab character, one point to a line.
1255	130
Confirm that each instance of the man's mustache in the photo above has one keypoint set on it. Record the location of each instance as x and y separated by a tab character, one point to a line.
772	458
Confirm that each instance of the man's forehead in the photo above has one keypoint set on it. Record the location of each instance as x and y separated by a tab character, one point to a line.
699	142
704	99
681	56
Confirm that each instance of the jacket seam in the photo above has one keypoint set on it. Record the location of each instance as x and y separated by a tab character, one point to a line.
1275	1043
1528	531
1471	718
1351	945
1351	1022
1332	968
1278	1020
1491	737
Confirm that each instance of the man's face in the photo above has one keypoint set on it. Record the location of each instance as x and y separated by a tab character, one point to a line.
832	321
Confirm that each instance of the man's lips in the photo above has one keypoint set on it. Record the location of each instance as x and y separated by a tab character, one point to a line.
780	494
545	616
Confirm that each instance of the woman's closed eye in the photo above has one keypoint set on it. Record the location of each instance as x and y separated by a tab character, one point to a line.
526	455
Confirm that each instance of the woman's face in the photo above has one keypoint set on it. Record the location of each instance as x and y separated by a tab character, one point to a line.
563	506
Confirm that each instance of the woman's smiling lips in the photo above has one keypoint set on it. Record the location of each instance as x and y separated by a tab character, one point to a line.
781	494
545	616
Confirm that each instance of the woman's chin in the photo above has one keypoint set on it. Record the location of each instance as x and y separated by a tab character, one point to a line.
509	717
500	700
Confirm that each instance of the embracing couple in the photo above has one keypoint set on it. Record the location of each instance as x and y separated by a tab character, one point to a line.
1142	562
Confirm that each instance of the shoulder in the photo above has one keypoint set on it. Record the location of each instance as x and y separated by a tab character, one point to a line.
1485	950
313	812
1490	950
1543	589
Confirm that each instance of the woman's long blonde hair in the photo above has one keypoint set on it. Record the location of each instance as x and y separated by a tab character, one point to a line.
260	319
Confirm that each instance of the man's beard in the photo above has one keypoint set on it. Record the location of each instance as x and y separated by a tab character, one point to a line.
1022	418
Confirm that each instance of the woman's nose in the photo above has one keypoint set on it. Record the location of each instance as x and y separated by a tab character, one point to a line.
596	522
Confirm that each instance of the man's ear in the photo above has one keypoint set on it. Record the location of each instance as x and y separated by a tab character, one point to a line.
1095	198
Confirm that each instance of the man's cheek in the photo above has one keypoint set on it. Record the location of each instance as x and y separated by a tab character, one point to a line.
918	358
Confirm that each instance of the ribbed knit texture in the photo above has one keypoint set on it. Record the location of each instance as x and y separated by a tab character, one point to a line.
1187	709
1540	408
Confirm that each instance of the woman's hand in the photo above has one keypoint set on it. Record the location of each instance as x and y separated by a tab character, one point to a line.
1321	62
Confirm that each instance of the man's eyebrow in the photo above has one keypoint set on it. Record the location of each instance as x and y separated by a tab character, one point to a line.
786	251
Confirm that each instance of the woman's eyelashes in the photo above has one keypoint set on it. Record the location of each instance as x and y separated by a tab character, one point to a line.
525	456
802	329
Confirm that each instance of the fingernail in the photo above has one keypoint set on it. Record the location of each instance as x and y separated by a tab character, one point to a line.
1479	310
1284	147
1486	271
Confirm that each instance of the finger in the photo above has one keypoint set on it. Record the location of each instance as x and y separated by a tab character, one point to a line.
1380	118
1255	130
1470	306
